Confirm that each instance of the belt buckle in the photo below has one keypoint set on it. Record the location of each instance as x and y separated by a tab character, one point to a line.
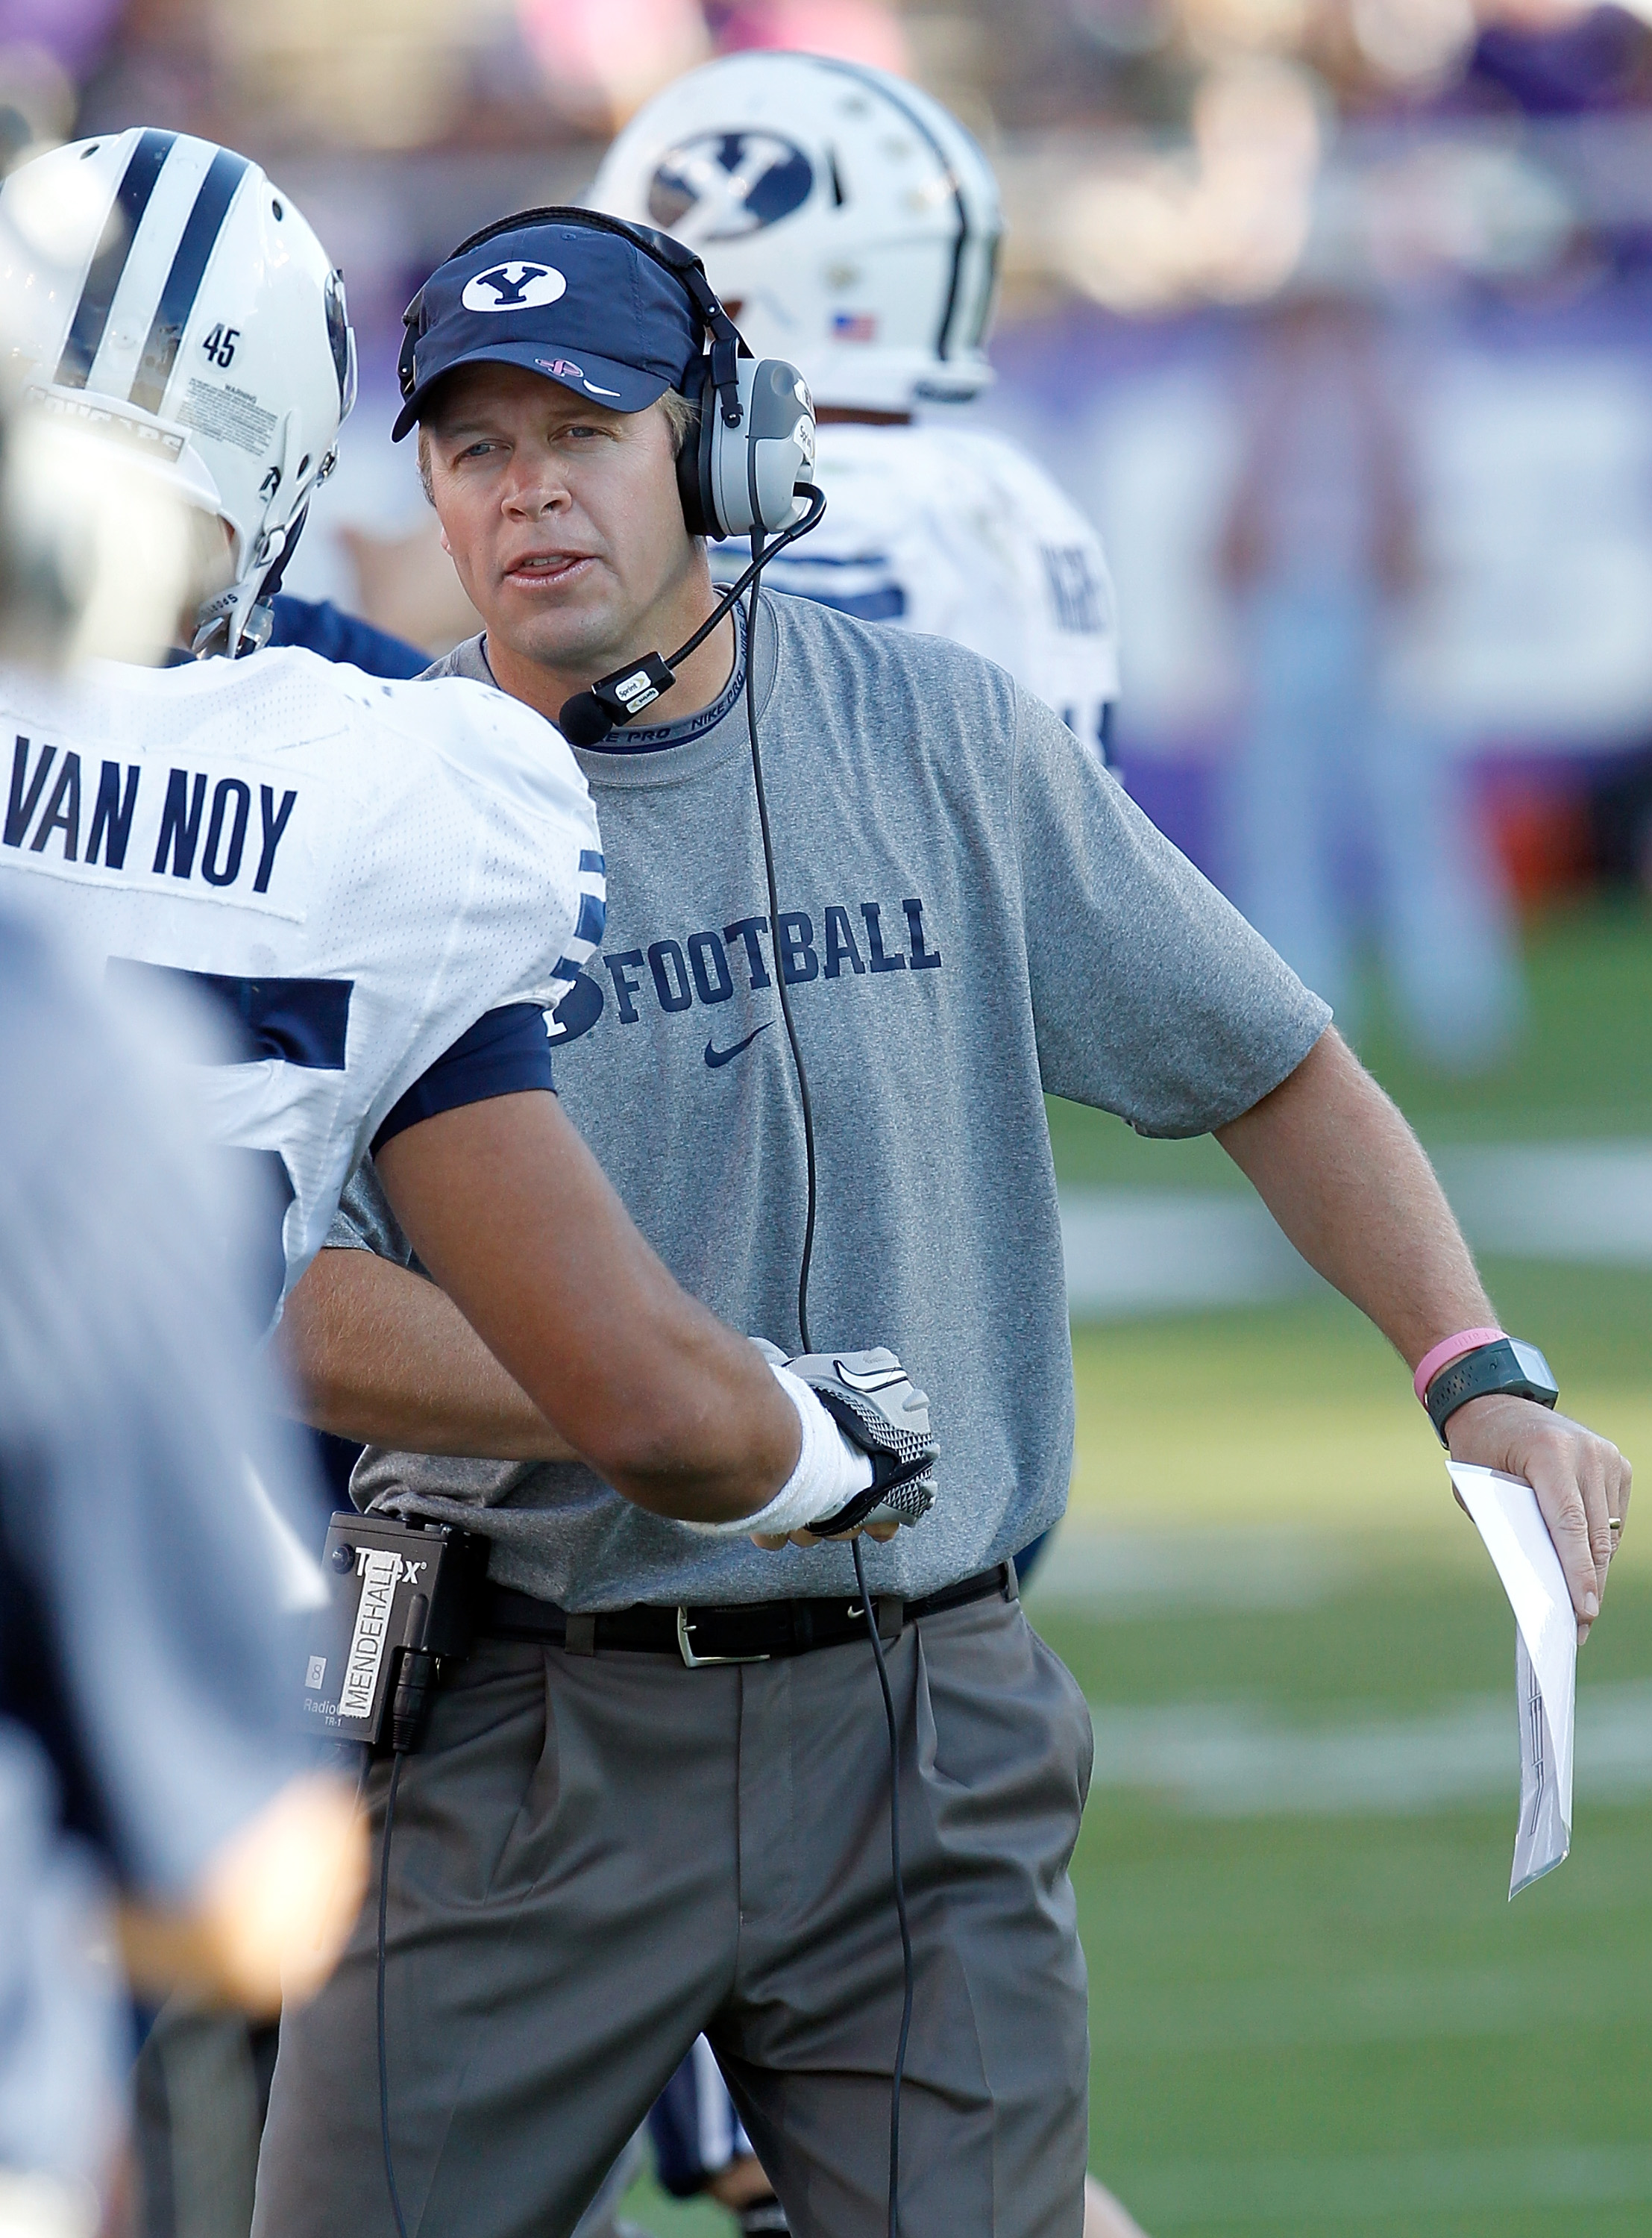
701	1662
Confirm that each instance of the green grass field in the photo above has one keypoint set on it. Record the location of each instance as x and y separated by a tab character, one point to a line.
1302	2021
1309	2019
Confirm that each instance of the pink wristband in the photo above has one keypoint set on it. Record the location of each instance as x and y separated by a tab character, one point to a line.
1447	1349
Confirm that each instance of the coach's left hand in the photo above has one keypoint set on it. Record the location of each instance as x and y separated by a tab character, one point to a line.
1580	1480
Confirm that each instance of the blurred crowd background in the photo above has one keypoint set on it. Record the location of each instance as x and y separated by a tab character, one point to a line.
1336	314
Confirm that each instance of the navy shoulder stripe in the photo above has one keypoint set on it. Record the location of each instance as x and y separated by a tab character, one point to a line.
504	1053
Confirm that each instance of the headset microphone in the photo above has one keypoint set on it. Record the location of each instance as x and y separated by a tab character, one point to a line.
618	698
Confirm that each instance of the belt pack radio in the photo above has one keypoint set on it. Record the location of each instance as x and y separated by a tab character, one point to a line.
403	1597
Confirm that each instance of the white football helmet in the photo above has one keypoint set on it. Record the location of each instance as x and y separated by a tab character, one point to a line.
162	290
849	222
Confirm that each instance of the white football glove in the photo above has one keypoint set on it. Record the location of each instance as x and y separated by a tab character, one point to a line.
867	1455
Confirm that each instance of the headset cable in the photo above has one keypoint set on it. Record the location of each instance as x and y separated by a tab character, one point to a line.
754	575
415	1683
384	2059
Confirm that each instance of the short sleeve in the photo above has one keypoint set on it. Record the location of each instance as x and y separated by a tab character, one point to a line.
1153	997
502	1054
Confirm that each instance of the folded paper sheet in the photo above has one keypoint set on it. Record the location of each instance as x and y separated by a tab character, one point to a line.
1507	1516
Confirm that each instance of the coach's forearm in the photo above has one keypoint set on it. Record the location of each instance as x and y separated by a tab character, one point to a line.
376	1354
1340	1170
1347	1180
515	1219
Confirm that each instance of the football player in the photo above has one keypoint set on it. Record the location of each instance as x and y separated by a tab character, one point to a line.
851	226
382	888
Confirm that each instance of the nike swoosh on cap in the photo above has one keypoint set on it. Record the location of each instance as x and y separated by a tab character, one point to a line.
713	1057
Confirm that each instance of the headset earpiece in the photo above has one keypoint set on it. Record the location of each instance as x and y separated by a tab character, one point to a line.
694	482
739	472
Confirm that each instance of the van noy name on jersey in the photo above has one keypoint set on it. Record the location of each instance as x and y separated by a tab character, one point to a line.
133	820
867	940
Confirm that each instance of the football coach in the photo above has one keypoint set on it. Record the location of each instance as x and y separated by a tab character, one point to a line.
656	1799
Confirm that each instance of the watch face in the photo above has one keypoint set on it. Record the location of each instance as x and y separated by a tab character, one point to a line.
1533	1366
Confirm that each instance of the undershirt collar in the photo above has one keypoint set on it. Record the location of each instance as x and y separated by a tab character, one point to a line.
633	739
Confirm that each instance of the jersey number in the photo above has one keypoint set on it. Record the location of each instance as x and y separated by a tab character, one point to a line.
219	345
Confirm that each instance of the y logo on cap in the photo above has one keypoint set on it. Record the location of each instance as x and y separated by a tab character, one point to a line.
515	287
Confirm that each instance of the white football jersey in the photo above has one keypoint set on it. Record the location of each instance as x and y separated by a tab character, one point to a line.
955	532
357	871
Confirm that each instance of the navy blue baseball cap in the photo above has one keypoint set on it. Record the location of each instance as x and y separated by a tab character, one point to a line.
579	303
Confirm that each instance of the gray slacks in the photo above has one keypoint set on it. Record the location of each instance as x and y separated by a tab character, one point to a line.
597	1857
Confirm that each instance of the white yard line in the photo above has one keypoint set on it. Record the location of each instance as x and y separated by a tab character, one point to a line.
1387	2186
1144	1251
1271	2011
1585	1203
1241	1760
1134	1251
1133	1573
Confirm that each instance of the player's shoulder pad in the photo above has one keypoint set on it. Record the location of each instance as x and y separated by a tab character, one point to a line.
286	691
480	732
1021	484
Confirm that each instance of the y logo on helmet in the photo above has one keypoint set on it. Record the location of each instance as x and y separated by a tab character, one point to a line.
721	186
514	287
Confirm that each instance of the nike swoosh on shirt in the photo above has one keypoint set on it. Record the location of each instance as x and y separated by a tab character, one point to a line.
713	1057
882	1378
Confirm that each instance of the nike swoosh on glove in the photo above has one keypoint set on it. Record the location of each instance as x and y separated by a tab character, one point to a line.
872	1399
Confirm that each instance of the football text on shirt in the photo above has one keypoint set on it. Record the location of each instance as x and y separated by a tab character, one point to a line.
866	941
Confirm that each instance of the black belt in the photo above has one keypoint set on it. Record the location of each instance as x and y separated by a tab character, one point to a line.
749	1633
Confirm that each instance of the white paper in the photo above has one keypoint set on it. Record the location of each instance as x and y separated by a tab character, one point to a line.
1507	1517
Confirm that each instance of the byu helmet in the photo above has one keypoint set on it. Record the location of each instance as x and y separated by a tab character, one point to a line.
850	223
160	289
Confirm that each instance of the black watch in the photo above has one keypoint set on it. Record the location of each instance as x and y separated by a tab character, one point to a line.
1510	1365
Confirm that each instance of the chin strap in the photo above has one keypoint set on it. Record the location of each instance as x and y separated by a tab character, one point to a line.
240	620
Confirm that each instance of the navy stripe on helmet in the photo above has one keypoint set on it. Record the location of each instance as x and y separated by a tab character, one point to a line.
92	313
183	280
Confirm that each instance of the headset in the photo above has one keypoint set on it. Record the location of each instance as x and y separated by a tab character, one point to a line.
742	471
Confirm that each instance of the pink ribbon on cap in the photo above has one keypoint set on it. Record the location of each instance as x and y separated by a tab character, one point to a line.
1447	1349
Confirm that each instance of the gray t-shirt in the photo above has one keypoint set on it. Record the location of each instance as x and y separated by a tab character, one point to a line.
971	911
